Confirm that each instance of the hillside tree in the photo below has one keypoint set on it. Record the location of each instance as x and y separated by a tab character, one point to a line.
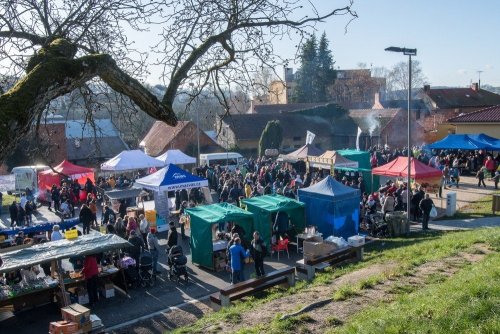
271	137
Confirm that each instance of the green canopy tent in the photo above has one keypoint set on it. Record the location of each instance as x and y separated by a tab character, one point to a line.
202	220
372	183
264	206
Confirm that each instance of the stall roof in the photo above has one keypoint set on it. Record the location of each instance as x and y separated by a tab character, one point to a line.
273	203
399	168
219	212
131	160
330	188
171	178
125	193
61	249
461	142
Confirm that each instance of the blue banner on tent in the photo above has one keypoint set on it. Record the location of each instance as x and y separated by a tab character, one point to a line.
67	224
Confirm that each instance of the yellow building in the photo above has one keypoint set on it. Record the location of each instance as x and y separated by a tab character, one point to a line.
485	121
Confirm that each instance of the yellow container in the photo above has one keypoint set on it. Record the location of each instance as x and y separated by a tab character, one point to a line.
150	216
71	234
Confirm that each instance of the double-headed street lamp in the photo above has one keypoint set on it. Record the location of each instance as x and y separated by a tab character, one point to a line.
409	53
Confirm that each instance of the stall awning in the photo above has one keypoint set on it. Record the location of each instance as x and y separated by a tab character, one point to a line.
61	249
125	193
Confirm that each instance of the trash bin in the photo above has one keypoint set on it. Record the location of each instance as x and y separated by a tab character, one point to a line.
495	203
397	223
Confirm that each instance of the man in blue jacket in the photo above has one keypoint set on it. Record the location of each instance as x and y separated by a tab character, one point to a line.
237	254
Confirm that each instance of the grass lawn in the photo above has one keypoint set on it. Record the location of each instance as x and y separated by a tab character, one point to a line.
477	209
407	253
468	302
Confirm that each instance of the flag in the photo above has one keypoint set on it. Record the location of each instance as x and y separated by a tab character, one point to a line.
357	138
310	137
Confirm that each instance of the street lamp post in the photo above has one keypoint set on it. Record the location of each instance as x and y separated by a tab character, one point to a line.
197	127
409	53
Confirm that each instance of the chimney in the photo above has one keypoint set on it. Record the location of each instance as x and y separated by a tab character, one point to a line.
377	104
427	88
475	86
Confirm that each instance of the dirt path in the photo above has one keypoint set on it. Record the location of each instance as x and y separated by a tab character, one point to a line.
326	316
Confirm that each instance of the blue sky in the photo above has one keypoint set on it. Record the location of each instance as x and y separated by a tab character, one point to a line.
454	39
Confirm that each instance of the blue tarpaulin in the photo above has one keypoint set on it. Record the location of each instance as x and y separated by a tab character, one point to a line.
332	207
494	142
67	224
462	142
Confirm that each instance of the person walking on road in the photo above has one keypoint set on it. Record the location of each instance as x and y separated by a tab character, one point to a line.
86	218
172	236
426	206
154	249
258	250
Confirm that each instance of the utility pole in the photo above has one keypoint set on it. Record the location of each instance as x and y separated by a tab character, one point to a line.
479	79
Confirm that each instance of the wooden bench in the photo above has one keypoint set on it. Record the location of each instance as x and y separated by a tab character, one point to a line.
225	296
307	267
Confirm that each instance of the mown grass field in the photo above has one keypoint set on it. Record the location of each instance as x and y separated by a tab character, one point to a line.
424	305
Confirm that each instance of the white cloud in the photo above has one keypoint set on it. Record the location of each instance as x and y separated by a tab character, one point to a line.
488	67
462	71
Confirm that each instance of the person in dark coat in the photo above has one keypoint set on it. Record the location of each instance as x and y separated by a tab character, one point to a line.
13	214
108	216
426	206
415	202
122	209
86	218
137	246
258	250
172	236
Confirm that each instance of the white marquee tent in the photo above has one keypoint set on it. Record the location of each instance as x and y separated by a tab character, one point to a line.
176	157
131	160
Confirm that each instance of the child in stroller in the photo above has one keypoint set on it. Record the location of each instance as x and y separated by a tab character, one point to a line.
176	261
146	274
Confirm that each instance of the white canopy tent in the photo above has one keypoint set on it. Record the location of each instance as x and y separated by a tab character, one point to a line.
131	160
176	157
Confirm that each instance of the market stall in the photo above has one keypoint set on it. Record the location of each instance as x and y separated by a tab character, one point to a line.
167	179
332	207
176	157
131	160
41	290
64	170
364	169
463	142
44	227
426	176
208	248
270	209
298	157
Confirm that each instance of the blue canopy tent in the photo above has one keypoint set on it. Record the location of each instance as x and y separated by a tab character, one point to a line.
494	142
332	207
171	178
461	142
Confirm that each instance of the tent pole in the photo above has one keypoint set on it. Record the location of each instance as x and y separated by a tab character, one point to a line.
60	272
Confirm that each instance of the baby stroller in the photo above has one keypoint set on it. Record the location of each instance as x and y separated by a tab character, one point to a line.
147	278
176	261
131	272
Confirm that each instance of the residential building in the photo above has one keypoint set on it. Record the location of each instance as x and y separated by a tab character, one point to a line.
162	137
448	103
485	121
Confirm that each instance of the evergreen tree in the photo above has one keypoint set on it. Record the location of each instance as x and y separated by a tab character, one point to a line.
305	90
316	71
325	73
271	137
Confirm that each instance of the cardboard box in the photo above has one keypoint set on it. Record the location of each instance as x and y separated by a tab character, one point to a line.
76	313
86	327
356	240
107	293
63	327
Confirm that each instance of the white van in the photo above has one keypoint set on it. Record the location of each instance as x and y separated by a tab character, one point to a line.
229	160
27	177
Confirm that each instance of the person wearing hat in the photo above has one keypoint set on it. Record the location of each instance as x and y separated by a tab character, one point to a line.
172	235
55	235
154	248
19	240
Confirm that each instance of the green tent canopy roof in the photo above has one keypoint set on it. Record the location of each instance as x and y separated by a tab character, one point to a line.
220	212
273	203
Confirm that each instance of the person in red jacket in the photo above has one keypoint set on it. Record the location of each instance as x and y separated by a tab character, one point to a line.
90	272
490	165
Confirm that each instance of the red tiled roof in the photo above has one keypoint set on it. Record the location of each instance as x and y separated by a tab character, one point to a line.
486	115
160	136
462	97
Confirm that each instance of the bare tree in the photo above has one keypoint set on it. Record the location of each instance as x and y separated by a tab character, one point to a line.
397	79
53	47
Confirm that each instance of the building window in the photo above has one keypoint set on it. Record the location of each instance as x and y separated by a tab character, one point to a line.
297	138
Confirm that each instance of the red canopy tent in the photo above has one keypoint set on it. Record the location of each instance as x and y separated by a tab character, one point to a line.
426	176
399	168
47	178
